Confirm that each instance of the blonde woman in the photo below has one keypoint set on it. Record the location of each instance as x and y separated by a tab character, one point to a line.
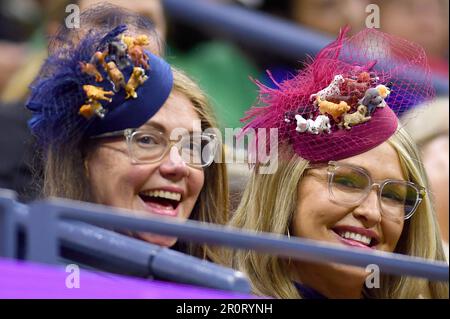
362	188
147	153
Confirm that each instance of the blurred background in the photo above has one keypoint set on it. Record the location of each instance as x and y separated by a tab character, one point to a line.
222	44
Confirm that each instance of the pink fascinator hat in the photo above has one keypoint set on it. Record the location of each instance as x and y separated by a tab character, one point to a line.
347	99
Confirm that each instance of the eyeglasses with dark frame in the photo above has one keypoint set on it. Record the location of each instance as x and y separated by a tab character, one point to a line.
146	146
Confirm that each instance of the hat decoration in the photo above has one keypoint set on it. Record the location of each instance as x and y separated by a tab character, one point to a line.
348	99
101	84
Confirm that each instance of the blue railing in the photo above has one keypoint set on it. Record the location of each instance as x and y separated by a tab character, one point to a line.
48	223
50	229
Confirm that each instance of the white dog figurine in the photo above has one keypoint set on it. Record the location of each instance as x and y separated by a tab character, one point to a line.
322	123
319	125
331	90
302	124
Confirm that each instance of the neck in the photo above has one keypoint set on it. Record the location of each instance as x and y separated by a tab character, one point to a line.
332	281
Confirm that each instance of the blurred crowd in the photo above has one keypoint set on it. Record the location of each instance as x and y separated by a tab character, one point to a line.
221	67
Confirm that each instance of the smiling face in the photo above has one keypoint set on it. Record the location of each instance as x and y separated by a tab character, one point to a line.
168	187
363	226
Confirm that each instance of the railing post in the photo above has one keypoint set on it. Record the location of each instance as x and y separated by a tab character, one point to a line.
8	227
42	241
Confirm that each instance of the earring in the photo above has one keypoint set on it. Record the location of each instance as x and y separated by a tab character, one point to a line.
288	234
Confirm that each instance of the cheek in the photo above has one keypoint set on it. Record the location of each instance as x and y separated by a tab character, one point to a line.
315	211
135	176
195	183
392	231
113	179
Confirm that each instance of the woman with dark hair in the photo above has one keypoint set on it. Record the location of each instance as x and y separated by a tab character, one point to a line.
119	126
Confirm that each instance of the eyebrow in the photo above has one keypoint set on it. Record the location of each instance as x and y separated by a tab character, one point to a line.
159	127
155	125
401	178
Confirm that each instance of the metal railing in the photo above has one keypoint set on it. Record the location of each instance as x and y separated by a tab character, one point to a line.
49	222
53	236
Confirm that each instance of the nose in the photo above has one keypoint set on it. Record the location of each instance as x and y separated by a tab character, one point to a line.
173	167
369	211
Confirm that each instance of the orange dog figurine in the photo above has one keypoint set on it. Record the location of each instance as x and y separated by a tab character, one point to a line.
136	50
91	69
141	40
93	106
89	109
137	78
333	109
97	93
99	58
116	76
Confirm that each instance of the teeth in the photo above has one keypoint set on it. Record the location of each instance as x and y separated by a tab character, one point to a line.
163	194
358	237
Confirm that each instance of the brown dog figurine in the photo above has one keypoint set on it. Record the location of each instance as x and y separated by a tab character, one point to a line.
333	109
91	69
138	56
135	47
115	75
99	58
91	108
137	78
355	118
97	93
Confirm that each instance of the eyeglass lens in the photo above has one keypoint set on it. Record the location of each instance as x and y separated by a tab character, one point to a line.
349	185
195	149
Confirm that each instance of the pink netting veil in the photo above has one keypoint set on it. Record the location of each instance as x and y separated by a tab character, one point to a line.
348	99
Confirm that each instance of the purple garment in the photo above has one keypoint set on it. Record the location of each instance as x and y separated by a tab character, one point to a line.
308	292
24	280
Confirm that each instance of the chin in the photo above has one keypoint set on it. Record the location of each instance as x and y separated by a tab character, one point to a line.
350	272
159	240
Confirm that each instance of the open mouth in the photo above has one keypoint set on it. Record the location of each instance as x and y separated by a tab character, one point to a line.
354	238
161	201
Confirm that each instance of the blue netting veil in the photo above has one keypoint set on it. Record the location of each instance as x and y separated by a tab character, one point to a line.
100	78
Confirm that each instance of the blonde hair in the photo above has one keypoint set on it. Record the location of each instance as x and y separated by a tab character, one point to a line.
64	174
212	204
268	205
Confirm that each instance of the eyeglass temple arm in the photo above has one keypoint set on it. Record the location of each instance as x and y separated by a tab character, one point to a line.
111	134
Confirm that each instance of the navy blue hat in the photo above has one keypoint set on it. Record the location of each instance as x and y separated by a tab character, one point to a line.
102	84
